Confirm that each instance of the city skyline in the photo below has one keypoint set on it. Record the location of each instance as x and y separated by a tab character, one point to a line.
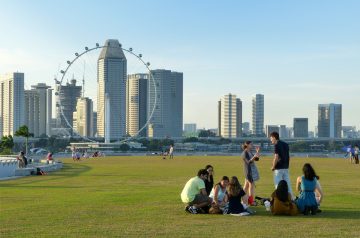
308	59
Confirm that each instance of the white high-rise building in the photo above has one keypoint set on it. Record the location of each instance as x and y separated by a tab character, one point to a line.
83	117
111	99
32	111
167	120
45	107
230	118
136	103
258	115
11	103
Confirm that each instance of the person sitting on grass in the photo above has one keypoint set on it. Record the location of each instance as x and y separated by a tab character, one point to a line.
235	195
307	185
194	193
281	203
218	193
209	182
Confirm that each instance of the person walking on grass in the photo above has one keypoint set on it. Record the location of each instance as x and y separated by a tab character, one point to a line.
250	170
194	194
280	165
356	154
171	151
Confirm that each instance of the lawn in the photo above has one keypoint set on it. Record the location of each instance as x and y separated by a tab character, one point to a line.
140	197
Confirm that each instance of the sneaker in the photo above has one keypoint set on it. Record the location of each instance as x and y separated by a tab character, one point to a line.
187	209
200	211
192	210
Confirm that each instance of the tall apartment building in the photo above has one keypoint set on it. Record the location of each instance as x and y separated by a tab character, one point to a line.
230	116
111	92
167	119
45	107
301	127
136	103
83	117
32	112
11	103
258	115
329	120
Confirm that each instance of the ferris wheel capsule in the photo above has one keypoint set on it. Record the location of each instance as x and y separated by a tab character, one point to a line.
97	45
68	62
86	48
148	63
76	54
140	55
130	49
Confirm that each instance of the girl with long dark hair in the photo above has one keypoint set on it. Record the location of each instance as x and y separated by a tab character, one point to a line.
281	203
308	186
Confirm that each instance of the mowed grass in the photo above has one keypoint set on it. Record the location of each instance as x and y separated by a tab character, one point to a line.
140	197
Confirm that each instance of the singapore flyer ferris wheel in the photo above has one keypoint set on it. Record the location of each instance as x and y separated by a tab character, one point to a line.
104	71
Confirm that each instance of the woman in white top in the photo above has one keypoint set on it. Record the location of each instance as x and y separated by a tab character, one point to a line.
218	193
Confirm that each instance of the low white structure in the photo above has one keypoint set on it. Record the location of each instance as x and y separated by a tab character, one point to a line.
8	166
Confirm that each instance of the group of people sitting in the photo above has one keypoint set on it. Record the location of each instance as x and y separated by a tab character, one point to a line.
77	155
228	196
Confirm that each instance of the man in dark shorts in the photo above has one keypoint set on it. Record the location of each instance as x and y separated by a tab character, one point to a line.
194	193
281	161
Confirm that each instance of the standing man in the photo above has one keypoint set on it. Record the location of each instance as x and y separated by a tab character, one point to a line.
194	193
356	154
280	164
171	151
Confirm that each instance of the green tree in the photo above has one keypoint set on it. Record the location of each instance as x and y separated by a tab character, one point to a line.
23	131
206	133
124	147
6	144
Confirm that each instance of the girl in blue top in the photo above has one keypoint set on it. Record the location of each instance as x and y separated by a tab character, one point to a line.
307	185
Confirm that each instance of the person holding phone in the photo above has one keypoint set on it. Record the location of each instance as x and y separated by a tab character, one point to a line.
250	170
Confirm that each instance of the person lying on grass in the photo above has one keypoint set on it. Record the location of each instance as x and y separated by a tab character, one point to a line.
194	193
281	203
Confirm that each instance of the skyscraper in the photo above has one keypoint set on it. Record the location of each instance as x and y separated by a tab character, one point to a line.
66	96
272	128
111	98
45	107
11	103
32	111
83	117
230	116
301	127
329	120
136	94
167	119
258	115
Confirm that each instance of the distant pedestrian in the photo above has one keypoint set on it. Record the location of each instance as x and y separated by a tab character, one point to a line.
356	154
280	165
171	152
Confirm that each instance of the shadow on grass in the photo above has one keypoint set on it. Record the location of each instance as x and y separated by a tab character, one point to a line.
68	171
339	213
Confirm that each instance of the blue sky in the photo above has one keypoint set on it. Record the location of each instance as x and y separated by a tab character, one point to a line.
297	53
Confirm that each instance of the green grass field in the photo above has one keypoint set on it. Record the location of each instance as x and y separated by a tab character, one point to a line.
140	197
